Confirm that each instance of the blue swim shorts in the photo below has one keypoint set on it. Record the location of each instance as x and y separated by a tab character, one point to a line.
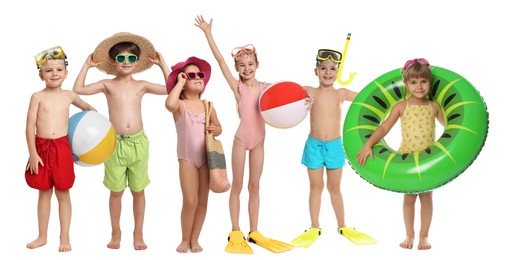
318	154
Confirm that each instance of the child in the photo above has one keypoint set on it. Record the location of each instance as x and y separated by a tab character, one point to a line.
122	55
50	164
250	137
418	111
323	150
186	83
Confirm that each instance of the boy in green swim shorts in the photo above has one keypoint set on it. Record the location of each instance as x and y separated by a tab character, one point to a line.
128	166
122	55
323	150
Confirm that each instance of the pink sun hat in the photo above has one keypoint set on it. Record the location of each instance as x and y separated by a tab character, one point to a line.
203	65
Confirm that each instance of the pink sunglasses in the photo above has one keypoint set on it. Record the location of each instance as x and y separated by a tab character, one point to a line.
410	62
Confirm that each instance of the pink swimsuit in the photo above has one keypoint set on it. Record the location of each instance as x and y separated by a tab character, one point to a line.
191	132
251	130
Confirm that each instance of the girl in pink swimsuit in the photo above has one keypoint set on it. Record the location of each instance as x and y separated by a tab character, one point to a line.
185	85
249	137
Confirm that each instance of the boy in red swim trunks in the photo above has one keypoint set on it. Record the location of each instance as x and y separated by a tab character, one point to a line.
50	164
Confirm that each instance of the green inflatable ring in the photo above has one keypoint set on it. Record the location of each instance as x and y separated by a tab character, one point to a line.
467	123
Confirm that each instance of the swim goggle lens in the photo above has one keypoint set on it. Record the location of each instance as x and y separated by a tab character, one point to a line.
193	75
325	54
245	50
419	60
54	53
132	58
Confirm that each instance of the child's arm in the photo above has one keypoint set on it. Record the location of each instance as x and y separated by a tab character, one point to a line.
439	114
30	132
153	88
80	103
207	29
379	133
215	127
172	103
348	95
159	60
90	89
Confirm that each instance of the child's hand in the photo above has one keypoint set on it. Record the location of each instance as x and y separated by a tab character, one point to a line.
202	24
157	59
362	155
33	164
309	103
182	78
211	128
90	61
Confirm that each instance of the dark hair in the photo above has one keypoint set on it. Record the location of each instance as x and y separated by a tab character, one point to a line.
123	46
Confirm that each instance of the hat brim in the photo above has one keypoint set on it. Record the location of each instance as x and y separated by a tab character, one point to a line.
203	65
101	53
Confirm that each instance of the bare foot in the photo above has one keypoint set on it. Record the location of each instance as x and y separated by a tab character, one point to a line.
65	247
424	244
195	248
139	245
183	247
407	243
115	242
37	243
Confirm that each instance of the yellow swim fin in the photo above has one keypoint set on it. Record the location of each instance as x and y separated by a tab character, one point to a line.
358	238
270	244
236	244
307	238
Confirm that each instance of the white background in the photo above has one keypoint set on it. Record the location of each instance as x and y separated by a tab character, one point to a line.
471	214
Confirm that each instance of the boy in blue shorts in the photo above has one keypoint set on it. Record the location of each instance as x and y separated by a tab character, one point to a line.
323	150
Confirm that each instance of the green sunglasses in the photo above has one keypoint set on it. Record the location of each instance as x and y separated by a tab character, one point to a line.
132	58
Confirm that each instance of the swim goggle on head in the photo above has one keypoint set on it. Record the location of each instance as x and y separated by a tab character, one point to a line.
325	54
244	51
411	62
54	53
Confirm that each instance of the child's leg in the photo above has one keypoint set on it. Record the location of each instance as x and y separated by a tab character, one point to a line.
426	212
237	165
43	217
408	208
139	207
115	218
65	219
333	186
316	186
201	208
189	182
256	156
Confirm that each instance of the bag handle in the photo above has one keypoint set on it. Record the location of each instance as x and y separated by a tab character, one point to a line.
207	110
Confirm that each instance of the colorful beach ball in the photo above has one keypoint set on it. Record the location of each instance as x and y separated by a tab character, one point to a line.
92	138
283	104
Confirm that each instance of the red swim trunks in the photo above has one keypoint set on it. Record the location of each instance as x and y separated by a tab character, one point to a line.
58	170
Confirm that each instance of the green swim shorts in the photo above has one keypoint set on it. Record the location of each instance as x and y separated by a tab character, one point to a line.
128	164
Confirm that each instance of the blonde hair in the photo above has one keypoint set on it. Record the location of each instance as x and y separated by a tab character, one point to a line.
417	68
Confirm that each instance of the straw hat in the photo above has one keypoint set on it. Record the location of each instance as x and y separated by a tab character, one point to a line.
143	63
203	65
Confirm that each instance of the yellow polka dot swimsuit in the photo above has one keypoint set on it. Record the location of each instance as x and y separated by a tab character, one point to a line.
418	127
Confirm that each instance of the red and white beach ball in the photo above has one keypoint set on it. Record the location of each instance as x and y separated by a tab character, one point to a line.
283	104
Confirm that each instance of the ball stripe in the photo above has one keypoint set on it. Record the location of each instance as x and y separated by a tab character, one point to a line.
92	128
280	94
295	112
73	122
102	150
